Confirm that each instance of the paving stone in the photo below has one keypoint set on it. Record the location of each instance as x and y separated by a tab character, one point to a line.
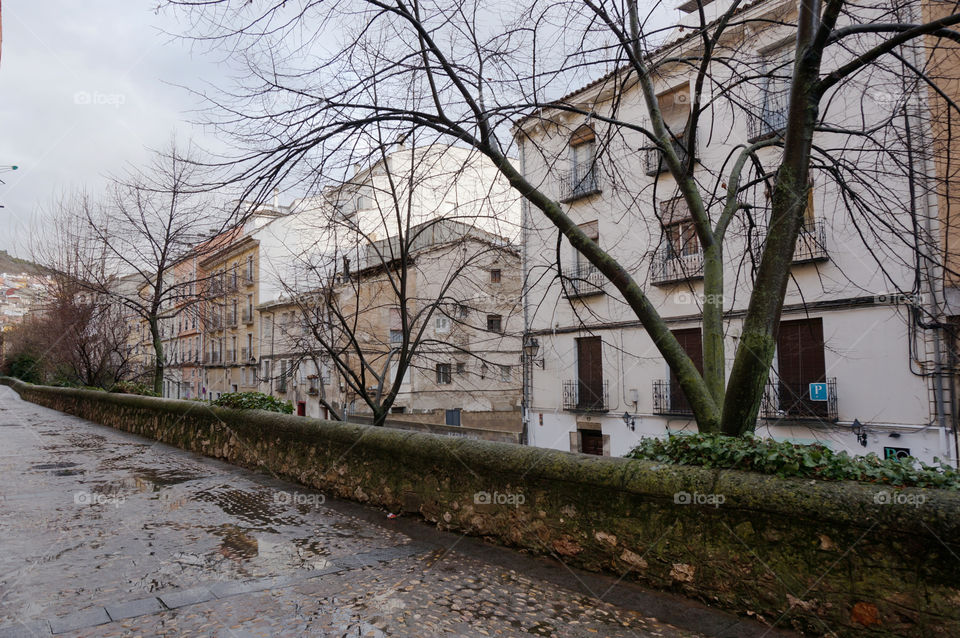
79	620
132	608
183	597
28	629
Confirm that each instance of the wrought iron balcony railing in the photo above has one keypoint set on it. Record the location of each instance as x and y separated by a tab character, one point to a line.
583	397
811	242
247	315
582	181
583	280
669	400
790	401
653	161
670	267
771	117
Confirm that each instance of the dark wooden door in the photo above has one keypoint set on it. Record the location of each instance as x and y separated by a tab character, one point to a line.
800	362
591	442
692	343
590	373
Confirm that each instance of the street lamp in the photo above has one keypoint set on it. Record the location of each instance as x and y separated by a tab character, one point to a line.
629	421
530	349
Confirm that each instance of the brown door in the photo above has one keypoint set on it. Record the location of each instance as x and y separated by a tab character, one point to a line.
692	343
800	362
591	442
589	373
301	408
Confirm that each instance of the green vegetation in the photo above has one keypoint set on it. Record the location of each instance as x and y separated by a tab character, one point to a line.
254	401
786	459
25	367
129	387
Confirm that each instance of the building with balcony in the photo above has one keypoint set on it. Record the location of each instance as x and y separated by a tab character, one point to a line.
854	369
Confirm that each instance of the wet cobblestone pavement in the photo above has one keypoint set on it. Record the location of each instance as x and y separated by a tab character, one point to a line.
107	534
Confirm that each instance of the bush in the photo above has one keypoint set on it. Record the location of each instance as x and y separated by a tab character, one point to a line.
26	367
129	387
254	401
782	458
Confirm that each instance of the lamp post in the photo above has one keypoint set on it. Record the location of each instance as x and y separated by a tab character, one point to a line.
530	349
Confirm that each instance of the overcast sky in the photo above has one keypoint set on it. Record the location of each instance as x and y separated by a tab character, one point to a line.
86	87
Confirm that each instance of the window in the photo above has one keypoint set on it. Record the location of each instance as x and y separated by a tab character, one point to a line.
678	229
675	108
250	268
583	175
505	373
591	389
452	417
250	345
592	231
461	368
442	324
443	374
777	71
494	323
800	362
495	275
463	310
396	336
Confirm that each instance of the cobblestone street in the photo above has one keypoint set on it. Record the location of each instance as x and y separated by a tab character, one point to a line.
107	534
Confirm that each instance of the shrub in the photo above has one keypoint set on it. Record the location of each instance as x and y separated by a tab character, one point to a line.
254	401
26	367
783	458
129	387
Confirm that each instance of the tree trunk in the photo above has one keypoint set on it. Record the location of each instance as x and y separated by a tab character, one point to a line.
751	367
714	364
157	356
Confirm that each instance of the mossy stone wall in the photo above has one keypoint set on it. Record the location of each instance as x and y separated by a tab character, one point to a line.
820	557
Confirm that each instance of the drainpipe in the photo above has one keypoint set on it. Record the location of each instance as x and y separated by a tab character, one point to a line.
930	208
527	362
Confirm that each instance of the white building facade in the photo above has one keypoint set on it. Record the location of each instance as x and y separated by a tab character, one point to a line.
856	368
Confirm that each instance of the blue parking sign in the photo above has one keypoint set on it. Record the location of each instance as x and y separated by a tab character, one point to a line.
818	391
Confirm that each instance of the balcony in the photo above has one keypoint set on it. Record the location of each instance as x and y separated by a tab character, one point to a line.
583	280
771	119
791	401
248	278
669	401
248	315
653	161
581	397
231	285
669	267
232	321
582	181
231	356
211	358
811	242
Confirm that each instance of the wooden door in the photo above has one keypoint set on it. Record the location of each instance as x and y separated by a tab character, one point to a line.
591	442
590	373
800	362
692	343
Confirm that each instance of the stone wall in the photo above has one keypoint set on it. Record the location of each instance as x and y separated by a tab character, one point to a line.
846	558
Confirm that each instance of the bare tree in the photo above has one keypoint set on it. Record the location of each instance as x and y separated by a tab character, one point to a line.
130	242
466	71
